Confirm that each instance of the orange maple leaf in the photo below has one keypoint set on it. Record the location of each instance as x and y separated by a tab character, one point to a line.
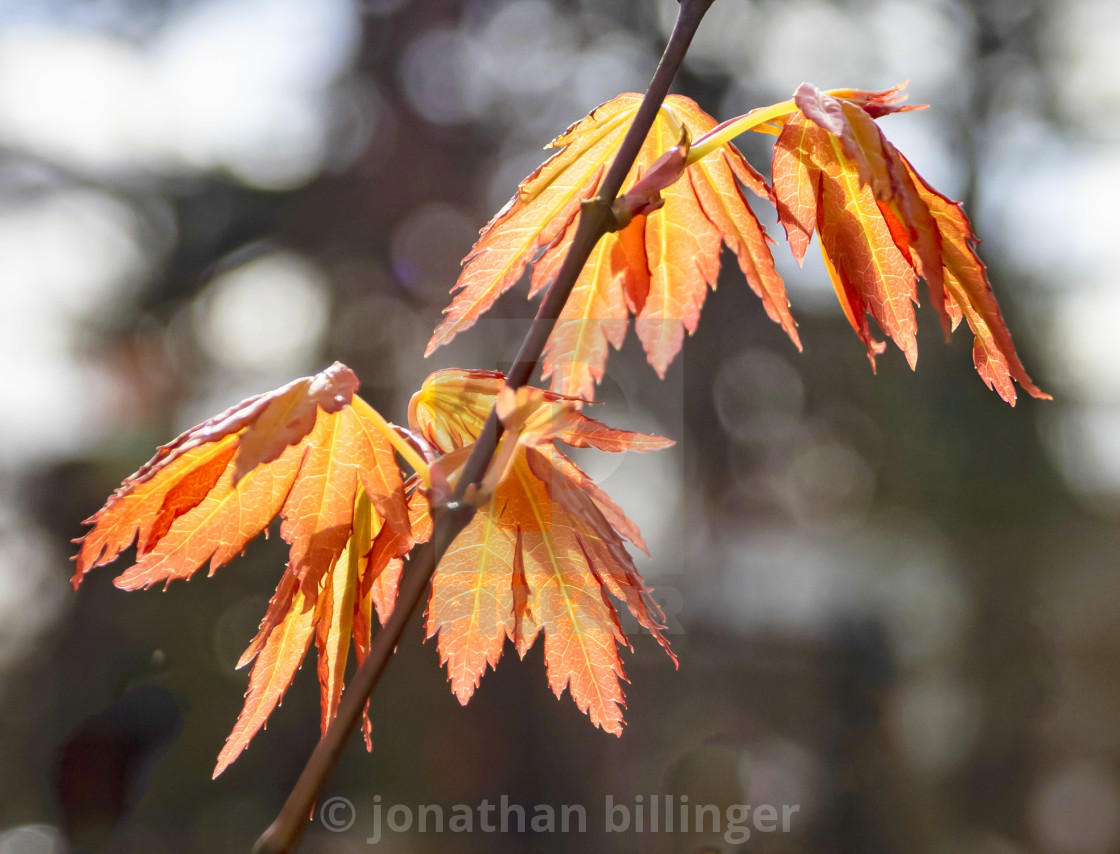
317	456
542	552
882	226
658	268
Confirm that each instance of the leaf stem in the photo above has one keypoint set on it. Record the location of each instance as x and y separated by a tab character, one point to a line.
723	133
596	219
726	131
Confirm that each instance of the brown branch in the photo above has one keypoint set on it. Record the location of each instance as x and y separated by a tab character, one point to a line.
596	219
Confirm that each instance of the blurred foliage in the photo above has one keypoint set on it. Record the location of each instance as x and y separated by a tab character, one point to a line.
891	595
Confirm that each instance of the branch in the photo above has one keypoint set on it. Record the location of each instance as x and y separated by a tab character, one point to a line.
596	219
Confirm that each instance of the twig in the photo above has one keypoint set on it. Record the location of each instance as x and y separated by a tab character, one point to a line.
596	219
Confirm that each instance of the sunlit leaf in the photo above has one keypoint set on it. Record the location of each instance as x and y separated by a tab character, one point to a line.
542	554
311	453
657	269
882	227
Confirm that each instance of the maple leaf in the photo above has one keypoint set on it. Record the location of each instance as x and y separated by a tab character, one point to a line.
657	269
542	553
317	456
882	227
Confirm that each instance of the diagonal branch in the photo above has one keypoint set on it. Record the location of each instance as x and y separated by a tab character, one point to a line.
596	219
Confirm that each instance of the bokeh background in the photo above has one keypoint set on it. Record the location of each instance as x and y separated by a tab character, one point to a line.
894	598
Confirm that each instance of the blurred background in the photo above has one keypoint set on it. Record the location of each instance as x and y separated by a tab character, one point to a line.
893	597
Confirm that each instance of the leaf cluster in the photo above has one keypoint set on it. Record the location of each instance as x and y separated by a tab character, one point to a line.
545	553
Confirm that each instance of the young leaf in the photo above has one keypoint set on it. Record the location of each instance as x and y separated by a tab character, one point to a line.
310	452
881	227
542	553
658	268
